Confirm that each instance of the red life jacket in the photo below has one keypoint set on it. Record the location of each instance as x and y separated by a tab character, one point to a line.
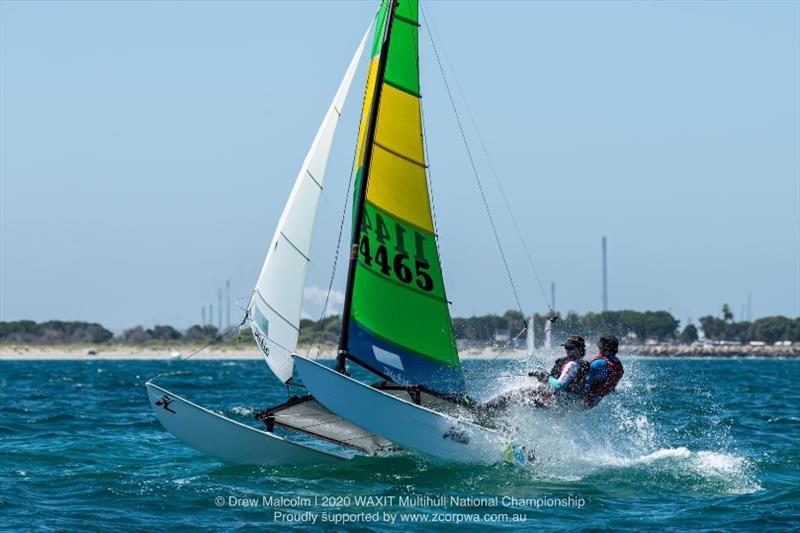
599	389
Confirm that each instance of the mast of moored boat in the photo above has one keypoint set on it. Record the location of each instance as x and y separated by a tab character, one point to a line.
362	190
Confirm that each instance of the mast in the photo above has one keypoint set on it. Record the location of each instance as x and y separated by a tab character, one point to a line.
362	191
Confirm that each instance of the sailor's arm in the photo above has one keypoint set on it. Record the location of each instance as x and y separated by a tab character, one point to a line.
568	374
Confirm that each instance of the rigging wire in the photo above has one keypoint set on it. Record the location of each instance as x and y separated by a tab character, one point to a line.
215	340
453	347
335	256
489	160
472	164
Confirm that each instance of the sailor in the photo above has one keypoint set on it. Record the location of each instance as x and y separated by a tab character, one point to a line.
566	378
561	386
567	373
574	379
573	383
603	373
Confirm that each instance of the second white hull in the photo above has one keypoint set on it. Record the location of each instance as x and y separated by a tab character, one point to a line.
410	425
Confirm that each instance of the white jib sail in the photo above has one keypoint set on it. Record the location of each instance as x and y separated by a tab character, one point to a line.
274	309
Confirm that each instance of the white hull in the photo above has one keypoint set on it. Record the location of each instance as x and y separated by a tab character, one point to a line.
225	439
405	423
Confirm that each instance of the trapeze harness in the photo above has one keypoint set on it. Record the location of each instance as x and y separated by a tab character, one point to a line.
597	390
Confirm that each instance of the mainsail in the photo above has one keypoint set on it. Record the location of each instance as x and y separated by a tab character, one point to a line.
274	309
396	319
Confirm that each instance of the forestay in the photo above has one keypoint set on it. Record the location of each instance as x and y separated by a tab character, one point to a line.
274	309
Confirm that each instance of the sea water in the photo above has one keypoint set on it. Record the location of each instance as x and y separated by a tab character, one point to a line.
685	444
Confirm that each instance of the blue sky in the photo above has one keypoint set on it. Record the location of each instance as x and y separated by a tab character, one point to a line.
147	148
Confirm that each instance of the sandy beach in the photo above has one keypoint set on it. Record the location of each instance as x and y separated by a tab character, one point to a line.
23	352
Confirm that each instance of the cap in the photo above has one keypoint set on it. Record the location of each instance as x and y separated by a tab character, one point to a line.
574	341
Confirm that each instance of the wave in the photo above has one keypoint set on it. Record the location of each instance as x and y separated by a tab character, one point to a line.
702	471
242	411
632	457
628	440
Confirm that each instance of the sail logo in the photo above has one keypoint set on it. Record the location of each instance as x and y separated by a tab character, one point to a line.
261	331
262	342
456	435
387	358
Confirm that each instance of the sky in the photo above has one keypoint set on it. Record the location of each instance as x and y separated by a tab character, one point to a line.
147	150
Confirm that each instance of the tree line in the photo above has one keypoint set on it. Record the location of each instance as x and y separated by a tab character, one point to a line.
769	329
53	332
635	326
62	332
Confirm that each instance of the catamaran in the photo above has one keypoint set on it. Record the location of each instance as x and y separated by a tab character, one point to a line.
395	322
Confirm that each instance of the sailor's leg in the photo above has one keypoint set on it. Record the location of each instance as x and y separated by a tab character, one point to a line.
537	397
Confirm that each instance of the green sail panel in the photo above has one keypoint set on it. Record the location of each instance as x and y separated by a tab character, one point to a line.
402	70
407	10
398	263
380	28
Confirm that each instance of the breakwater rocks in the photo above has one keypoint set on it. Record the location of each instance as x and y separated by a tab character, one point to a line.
713	350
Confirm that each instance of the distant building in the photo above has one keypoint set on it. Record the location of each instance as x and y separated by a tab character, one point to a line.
502	335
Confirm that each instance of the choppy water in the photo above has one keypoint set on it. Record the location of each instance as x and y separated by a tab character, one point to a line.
687	444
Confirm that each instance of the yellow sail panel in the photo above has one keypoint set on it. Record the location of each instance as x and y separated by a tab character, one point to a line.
399	124
372	75
400	187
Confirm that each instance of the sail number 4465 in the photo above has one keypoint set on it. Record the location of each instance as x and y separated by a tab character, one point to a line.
391	255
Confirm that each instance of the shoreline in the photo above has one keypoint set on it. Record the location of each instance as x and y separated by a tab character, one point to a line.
183	352
222	353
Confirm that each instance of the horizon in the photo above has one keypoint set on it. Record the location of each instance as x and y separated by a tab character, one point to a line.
138	176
